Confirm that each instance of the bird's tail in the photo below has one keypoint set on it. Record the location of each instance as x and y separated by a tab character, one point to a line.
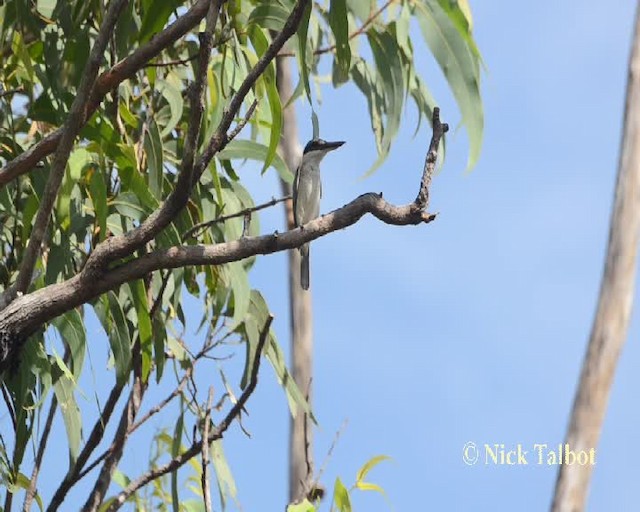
304	266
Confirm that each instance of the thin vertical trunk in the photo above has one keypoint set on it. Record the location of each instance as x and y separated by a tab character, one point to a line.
300	439
609	330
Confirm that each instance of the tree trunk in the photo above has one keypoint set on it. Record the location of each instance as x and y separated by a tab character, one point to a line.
300	439
611	322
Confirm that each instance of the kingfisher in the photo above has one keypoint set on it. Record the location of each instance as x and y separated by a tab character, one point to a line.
307	191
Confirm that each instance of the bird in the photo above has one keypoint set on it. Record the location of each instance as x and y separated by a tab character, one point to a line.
307	191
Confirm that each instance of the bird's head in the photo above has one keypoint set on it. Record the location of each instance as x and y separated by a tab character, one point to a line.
316	149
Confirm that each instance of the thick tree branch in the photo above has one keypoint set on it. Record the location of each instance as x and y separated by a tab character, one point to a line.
217	432
124	245
28	313
110	79
71	129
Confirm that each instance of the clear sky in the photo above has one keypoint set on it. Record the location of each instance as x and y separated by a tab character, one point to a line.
472	328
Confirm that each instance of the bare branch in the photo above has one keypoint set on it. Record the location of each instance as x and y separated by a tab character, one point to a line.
217	433
439	129
71	129
110	79
206	485
198	228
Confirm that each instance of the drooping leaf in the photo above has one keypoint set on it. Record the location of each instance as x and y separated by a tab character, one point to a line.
224	477
64	387
339	24
247	149
71	328
341	497
459	66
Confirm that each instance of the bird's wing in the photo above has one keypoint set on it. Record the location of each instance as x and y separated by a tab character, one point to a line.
296	180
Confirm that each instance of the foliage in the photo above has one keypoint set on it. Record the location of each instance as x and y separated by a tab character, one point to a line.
127	164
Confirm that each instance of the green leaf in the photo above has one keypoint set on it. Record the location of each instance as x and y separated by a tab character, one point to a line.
175	102
303	28
71	329
224	477
315	124
175	450
269	15
387	58
459	66
247	149
139	296
258	313
339	24
111	316
341	497
153	149
46	7
260	43
98	191
303	506
369	465
241	292
156	15
63	388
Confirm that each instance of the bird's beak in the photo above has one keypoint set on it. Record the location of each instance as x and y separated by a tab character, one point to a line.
330	146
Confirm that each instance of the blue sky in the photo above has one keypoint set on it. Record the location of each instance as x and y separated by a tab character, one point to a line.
471	328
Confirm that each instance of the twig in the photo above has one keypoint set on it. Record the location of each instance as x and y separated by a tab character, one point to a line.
143	419
70	131
32	491
245	119
7	402
439	129
10	92
198	228
179	62
206	487
217	433
75	474
354	34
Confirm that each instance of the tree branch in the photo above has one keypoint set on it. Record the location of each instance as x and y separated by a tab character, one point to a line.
28	313
217	433
123	245
110	79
